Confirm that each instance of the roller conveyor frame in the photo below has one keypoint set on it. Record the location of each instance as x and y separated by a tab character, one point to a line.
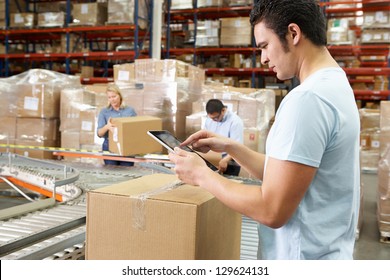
43	244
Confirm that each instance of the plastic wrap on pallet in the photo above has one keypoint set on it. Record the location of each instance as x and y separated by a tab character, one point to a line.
73	101
370	142
369	160
168	87
161	88
35	93
384	177
80	108
7	133
133	95
384	123
383	215
8	106
383	197
155	70
384	115
37	130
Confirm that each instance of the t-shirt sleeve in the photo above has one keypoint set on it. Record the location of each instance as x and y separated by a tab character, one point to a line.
303	129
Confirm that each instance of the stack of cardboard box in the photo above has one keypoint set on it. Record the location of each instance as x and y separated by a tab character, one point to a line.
236	32
369	138
32	104
161	88
383	198
22	20
207	33
79	111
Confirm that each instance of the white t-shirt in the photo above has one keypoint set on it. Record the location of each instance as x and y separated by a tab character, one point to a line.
317	124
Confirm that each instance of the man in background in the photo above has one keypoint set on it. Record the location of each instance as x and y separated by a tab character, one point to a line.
224	122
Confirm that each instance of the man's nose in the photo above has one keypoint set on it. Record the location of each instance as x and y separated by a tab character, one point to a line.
263	58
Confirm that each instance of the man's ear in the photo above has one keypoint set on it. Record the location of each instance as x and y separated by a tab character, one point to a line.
294	32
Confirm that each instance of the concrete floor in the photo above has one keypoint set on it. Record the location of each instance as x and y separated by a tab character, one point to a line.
367	246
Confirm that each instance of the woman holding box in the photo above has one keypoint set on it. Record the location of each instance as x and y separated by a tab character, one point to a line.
115	109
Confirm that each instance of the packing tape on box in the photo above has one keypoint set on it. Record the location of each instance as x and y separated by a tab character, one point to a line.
138	207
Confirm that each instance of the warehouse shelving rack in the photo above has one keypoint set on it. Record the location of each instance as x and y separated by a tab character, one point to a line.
331	9
211	13
88	35
344	9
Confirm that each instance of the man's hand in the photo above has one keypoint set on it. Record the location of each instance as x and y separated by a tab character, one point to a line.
204	141
223	164
189	166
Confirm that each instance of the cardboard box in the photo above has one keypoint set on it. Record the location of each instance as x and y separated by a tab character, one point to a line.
7	133
124	72
41	100
87	71
236	31
130	136
24	20
36	152
51	19
37	130
89	14
7	128
181	223
370	36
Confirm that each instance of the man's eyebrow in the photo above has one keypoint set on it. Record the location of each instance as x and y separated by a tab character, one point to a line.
261	45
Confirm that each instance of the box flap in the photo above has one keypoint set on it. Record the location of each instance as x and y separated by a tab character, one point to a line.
134	119
157	187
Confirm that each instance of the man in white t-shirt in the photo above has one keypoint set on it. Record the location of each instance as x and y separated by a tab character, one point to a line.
307	206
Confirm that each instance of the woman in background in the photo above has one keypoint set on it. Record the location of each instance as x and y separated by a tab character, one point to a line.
115	109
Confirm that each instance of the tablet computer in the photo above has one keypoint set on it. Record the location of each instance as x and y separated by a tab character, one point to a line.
169	141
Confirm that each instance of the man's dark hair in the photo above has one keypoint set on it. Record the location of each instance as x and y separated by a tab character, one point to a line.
278	14
214	106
